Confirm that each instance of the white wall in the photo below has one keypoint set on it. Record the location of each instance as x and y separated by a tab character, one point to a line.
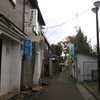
10	66
15	73
35	76
38	63
81	58
5	66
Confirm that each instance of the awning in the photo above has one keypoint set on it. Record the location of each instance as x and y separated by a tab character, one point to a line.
61	64
10	30
39	40
36	38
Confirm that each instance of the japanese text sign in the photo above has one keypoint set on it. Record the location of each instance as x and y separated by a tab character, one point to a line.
27	47
32	18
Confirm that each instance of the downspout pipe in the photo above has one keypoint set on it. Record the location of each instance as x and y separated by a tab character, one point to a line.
23	13
24	3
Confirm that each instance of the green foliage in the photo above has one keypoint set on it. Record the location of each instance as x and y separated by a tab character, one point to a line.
56	50
71	79
61	59
54	79
80	42
94	49
36	96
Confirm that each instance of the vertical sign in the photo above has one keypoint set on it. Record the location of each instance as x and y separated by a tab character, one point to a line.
68	57
32	22
51	55
71	49
27	48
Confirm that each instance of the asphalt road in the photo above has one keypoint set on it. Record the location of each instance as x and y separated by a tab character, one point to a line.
62	89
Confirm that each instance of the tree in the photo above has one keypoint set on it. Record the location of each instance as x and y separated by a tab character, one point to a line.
80	42
56	50
65	42
94	51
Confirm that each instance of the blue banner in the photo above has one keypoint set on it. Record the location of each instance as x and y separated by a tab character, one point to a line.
71	49
27	47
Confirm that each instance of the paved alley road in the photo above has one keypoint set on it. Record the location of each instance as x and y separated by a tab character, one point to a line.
62	89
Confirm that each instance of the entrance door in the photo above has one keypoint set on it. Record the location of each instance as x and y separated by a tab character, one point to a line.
0	59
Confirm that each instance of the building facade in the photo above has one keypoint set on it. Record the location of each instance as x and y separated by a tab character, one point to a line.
34	63
83	66
11	37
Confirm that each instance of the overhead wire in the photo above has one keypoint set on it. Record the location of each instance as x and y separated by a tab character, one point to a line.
67	21
60	24
54	31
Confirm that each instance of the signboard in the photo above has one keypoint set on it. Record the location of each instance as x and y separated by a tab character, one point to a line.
32	22
27	47
51	55
71	49
68	58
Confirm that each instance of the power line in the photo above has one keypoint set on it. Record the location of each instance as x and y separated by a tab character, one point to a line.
69	20
54	31
66	22
60	24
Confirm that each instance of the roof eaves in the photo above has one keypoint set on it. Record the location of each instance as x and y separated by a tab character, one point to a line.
46	40
34	4
90	54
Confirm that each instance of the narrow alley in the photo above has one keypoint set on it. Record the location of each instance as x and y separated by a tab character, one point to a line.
62	89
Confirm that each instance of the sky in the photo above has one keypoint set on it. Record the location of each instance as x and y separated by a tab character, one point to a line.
67	14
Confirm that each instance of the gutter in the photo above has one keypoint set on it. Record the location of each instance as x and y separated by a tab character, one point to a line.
23	14
92	92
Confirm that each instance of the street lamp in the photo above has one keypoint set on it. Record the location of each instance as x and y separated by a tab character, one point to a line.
95	10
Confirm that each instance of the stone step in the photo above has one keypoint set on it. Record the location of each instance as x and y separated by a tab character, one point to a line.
38	91
27	93
45	82
52	76
37	88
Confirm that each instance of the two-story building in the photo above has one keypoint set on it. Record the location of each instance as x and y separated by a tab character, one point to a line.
17	24
11	37
33	64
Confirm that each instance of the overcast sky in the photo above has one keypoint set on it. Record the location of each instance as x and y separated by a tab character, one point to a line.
56	12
